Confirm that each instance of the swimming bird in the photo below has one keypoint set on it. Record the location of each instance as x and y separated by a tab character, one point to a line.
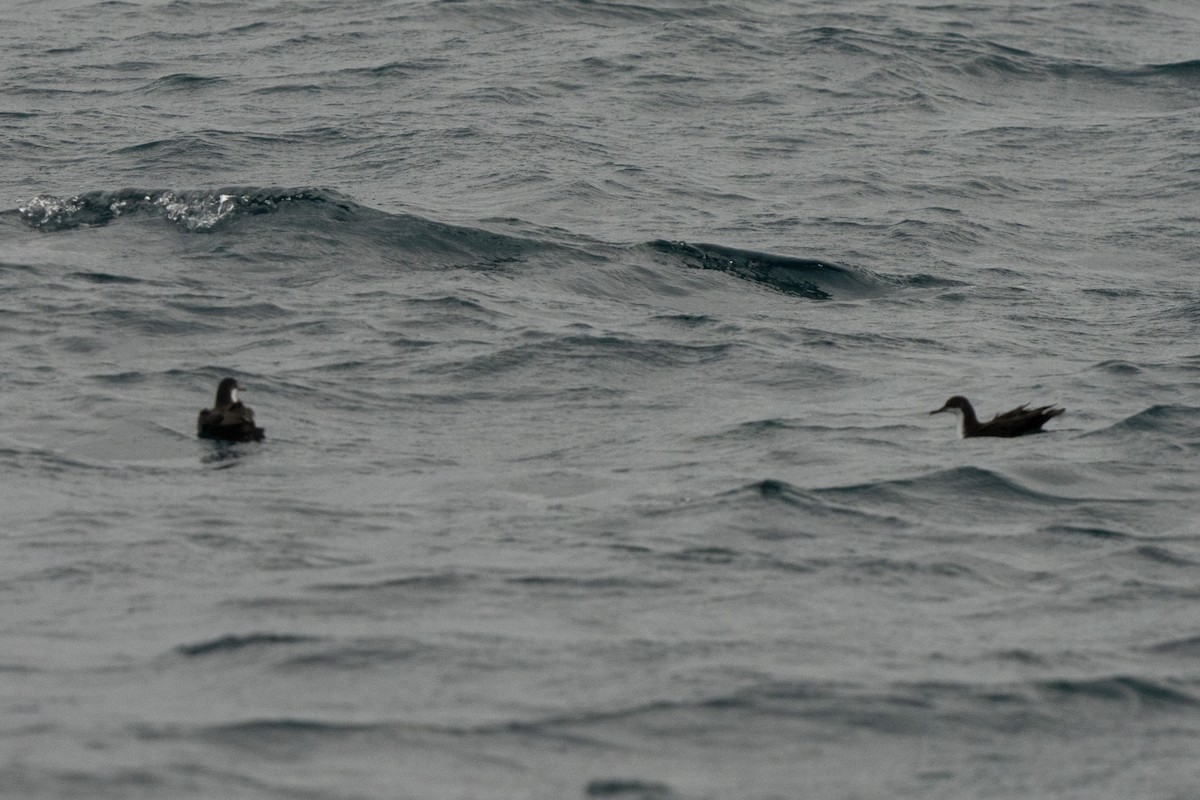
1018	422
229	419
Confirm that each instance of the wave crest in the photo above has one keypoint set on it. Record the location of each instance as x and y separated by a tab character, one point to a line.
198	210
813	278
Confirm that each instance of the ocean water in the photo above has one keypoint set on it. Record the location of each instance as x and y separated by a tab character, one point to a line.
595	344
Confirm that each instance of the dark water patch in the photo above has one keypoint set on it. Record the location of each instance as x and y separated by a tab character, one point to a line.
55	95
1176	420
1117	367
628	789
406	342
291	88
1188	647
248	27
586	586
105	278
809	278
774	488
1067	705
1007	273
707	555
687	320
10	266
1185	70
449	580
1115	293
91	781
398	69
128	65
1123	690
622	547
152	38
231	643
283	737
257	311
1162	555
975	57
18	669
1086	531
183	81
1073	707
904	710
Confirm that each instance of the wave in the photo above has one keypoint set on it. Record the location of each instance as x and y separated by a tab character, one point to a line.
306	224
940	71
1075	705
183	81
1188	646
952	496
1189	70
196	210
323	225
436	581
958	482
628	789
1161	418
1124	690
745	509
619	355
815	279
233	642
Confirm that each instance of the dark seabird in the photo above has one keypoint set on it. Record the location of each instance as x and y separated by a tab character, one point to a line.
1018	422
229	419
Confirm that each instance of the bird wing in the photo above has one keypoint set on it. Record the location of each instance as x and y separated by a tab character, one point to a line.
1014	414
239	413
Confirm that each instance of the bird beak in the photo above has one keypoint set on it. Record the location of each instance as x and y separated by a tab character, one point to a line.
939	410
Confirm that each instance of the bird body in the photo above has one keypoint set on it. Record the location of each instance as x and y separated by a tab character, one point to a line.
1018	422
229	419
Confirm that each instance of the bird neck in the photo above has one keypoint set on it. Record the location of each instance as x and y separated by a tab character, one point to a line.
970	423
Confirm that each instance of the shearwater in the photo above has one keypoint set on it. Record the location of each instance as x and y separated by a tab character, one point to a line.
1017	422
